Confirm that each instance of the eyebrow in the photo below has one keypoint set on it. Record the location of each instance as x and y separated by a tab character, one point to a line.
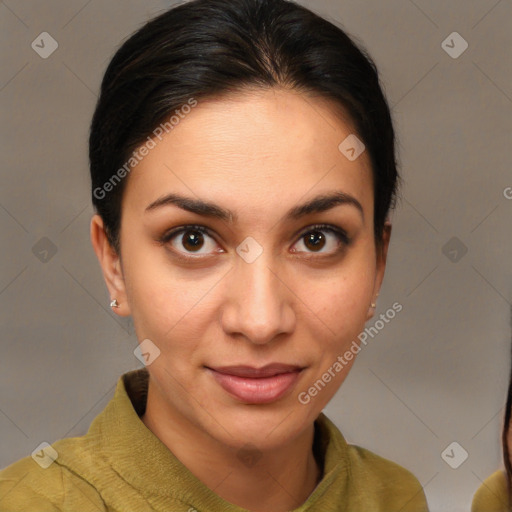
318	204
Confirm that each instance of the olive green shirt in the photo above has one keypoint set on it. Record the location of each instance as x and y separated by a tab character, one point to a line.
491	496
120	465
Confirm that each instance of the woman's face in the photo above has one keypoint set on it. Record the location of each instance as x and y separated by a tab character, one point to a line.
260	286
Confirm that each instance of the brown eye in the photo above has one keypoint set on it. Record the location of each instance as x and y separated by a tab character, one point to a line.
192	240
316	238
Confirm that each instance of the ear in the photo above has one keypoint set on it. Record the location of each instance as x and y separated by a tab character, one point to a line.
110	264
382	255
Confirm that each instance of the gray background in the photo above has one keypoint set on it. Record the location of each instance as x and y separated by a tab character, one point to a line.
436	374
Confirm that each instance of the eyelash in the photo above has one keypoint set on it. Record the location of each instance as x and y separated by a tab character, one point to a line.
339	233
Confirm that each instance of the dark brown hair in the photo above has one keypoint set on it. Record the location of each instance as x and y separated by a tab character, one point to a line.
209	48
505	435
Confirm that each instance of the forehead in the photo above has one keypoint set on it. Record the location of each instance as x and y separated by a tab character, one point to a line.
253	149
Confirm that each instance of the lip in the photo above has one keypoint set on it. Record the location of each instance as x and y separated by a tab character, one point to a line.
269	370
256	385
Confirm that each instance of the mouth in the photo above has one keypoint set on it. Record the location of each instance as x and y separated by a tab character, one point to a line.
252	385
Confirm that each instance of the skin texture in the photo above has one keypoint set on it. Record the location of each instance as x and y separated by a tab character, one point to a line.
258	154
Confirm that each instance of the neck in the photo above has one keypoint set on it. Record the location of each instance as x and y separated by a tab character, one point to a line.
281	480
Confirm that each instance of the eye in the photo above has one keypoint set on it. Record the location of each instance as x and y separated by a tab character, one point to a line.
323	236
194	239
188	241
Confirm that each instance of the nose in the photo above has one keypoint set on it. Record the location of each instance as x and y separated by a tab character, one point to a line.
259	304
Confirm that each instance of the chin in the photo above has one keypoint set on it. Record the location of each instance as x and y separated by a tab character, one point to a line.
261	426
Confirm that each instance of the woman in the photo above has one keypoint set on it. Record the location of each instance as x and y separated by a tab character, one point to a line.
495	493
243	168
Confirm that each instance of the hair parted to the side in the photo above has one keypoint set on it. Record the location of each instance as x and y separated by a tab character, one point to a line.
210	48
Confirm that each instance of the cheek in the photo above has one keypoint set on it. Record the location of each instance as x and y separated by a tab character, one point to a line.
342	317
158	299
166	306
341	303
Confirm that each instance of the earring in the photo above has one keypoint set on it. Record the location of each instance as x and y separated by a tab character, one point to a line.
373	305
114	303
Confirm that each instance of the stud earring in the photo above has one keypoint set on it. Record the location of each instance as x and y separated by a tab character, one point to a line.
114	303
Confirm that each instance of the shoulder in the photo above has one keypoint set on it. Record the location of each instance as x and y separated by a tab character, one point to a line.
491	496
25	485
369	465
394	485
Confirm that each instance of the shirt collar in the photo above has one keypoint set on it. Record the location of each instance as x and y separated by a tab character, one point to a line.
142	460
